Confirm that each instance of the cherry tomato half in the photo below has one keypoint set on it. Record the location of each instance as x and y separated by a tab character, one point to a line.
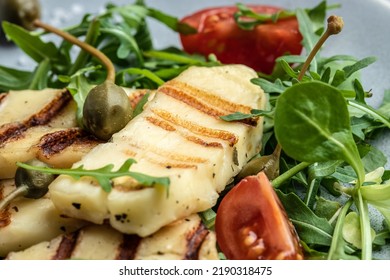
219	34
251	223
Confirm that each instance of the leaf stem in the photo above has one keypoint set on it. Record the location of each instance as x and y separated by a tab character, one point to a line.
88	48
335	25
365	228
337	233
19	191
90	39
289	173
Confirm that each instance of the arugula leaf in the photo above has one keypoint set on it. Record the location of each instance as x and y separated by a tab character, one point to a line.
171	22
79	87
104	174
253	19
30	44
40	79
13	79
309	36
311	228
140	105
241	116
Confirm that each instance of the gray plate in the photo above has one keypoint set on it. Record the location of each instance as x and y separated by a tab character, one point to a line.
365	34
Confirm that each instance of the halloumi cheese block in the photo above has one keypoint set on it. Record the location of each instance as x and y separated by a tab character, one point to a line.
27	115
42	124
179	135
26	222
185	239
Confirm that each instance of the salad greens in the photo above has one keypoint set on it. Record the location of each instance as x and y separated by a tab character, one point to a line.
331	177
104	174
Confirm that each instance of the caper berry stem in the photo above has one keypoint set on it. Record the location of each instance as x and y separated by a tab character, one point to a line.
88	48
18	192
335	25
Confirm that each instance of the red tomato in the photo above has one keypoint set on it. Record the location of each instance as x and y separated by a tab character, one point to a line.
251	223
219	34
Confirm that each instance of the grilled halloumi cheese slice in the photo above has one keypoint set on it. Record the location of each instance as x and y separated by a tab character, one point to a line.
185	239
179	135
26	222
27	115
42	124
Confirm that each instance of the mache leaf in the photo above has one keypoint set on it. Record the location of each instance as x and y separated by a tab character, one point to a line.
312	125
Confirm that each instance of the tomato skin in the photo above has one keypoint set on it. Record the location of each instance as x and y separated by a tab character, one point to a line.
251	223
219	34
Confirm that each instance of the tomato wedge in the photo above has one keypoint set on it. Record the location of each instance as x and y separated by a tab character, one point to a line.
251	223
219	34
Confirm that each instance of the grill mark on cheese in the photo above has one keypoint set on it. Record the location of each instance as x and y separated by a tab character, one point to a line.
2	97
214	100
50	110
165	164
53	143
167	154
66	246
197	129
160	123
127	250
168	127
13	131
5	217
194	241
205	102
191	101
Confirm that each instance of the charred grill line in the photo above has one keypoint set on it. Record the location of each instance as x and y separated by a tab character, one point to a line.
197	140
168	154
201	100
2	96
55	142
127	250
11	131
225	105
16	130
166	163
66	247
194	241
197	129
5	217
50	110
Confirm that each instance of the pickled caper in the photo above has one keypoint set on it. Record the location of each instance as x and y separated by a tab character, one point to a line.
37	181
107	109
21	12
29	183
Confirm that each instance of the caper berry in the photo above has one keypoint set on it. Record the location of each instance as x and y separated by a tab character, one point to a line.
21	12
107	109
36	181
29	183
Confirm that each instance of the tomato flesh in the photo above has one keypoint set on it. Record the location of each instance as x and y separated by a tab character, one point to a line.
219	34
251	223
